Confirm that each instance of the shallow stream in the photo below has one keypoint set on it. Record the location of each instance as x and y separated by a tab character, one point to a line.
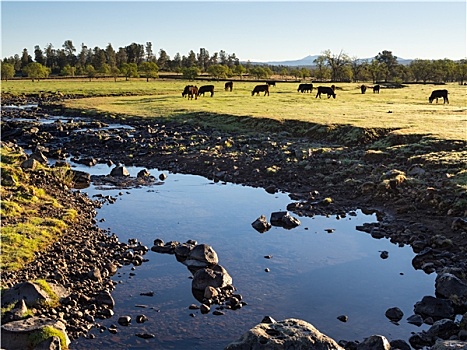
319	270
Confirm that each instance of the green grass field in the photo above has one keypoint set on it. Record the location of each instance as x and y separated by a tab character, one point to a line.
406	109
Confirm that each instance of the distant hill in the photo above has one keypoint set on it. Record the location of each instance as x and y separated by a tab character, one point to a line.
308	61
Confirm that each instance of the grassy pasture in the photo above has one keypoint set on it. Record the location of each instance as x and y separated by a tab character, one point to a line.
406	110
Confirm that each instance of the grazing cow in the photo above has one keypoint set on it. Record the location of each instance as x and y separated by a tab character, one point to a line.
305	88
363	88
261	88
206	88
193	91
326	90
228	86
376	89
438	94
185	90
271	83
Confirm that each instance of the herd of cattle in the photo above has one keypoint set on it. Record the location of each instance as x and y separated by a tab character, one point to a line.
192	91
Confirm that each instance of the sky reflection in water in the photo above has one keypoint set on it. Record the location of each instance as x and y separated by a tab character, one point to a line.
314	275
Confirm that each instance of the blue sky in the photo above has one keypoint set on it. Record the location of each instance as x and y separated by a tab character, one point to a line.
256	31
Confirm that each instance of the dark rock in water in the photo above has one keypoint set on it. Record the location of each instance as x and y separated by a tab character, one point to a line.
145	335
141	318
399	344
284	219
374	342
124	320
416	320
343	318
448	285
420	340
261	224
147	294
217	277
434	307
384	254
443	329
120	171
449	345
202	255
394	314
162	177
143	173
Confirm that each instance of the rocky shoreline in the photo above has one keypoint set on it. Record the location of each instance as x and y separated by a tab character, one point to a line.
416	202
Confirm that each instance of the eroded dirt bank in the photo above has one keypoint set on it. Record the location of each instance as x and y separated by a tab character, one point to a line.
409	180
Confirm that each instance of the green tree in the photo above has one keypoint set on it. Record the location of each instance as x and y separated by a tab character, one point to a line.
69	50
163	60
68	71
336	63
461	71
36	70
218	71
115	72
190	73
239	70
321	71
90	71
110	55
129	70
8	71
25	58
39	55
149	70
389	63
421	69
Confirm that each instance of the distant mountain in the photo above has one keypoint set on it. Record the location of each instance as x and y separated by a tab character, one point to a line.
308	61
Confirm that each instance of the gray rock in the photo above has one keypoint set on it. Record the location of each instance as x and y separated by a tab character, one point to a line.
443	329
261	224
31	293
416	320
434	307
17	335
120	171
451	287
375	342
399	344
216	277
124	320
202	255
104	298
284	219
394	314
289	334
52	343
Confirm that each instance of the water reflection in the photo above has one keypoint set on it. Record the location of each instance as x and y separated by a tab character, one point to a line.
317	271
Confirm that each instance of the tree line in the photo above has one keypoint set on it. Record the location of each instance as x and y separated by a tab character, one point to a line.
137	60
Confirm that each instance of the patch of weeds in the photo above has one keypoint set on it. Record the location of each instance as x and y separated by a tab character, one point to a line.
45	333
54	300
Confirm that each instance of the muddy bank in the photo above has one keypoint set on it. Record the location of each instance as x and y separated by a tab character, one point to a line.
418	203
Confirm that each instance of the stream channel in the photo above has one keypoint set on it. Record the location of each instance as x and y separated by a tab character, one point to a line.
319	270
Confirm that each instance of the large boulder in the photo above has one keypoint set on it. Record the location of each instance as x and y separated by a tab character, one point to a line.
284	335
32	293
450	345
434	307
202	255
216	277
375	342
451	287
20	335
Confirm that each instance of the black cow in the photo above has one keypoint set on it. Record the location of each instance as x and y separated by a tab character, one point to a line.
228	86
376	89
192	91
305	88
206	88
363	88
326	90
261	88
185	90
438	94
271	83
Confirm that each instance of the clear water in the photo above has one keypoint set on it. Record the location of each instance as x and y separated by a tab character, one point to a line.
314	275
